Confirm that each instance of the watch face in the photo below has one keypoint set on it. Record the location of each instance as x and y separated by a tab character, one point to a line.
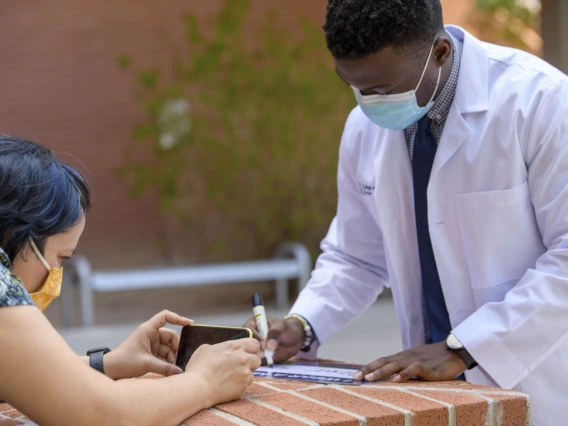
453	343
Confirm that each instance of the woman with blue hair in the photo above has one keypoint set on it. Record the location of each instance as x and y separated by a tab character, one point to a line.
43	204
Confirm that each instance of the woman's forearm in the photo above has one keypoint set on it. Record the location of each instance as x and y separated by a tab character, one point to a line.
134	401
42	377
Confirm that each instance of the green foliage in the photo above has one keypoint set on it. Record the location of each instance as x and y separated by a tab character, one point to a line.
149	79
506	20
259	163
124	61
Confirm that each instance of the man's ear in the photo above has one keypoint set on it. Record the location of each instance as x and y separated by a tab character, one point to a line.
442	50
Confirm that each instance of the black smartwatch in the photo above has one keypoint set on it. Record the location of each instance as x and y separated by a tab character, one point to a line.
96	358
454	345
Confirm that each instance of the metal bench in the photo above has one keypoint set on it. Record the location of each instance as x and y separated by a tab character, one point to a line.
291	261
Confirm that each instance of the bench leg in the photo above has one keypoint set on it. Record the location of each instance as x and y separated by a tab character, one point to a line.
87	306
282	294
67	301
84	275
302	256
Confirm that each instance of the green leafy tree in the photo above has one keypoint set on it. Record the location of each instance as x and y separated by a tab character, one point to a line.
244	139
512	22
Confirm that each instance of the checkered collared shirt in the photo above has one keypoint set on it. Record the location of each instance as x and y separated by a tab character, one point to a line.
439	112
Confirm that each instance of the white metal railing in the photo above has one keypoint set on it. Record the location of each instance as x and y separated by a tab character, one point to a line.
291	261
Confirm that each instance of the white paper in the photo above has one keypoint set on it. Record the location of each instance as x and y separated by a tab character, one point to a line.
310	372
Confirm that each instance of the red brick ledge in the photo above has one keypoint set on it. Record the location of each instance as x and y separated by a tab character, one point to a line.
286	403
277	403
10	416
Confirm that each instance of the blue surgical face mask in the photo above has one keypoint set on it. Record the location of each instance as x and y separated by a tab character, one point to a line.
396	112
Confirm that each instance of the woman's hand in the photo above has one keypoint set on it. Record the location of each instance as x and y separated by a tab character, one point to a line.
225	370
149	349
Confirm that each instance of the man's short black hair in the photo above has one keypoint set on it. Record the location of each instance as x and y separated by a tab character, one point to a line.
357	28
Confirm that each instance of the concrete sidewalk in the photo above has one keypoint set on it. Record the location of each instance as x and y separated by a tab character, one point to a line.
373	335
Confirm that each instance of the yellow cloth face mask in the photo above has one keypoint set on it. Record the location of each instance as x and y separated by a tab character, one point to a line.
51	288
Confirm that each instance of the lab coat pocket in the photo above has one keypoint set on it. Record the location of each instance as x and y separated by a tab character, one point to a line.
499	233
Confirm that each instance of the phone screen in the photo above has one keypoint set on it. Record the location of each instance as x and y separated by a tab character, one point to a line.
193	336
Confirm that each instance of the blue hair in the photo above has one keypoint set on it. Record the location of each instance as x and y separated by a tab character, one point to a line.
40	196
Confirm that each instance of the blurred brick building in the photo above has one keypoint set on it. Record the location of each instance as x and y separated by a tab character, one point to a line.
62	86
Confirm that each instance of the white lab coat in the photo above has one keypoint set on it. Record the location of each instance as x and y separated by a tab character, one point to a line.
498	218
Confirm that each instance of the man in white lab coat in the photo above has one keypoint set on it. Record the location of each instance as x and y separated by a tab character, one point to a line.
453	191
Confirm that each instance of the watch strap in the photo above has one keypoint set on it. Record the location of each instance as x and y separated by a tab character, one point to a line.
470	363
454	345
96	356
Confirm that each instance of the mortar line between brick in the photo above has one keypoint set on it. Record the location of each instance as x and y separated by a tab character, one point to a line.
418	388
492	412
230	417
362	419
529	411
452	418
269	386
497	392
274	388
486	394
408	415
453	390
286	413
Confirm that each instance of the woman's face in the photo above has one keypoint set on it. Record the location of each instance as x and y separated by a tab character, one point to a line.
57	248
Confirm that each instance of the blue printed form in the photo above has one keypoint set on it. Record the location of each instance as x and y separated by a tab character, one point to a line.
339	374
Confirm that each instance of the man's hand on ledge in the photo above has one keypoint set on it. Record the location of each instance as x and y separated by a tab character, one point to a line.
429	362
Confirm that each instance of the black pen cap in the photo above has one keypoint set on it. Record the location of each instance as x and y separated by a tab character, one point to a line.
256	300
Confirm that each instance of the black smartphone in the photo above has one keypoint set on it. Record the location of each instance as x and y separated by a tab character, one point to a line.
195	335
